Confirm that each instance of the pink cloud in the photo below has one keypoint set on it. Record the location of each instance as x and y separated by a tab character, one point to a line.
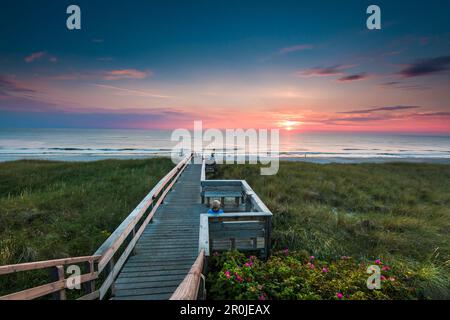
323	71
103	75
353	77
34	56
299	47
125	74
132	92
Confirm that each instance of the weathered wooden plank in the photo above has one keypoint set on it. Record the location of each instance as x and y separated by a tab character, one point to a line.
166	277
238	225
149	274
149	284
145	291
162	296
236	234
134	269
137	263
221	183
220	194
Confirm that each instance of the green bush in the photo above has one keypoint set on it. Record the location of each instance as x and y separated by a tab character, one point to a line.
296	275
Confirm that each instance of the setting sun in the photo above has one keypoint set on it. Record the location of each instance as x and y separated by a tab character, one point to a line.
289	124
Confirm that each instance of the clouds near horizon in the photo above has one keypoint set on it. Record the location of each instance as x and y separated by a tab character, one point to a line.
354	77
425	67
295	48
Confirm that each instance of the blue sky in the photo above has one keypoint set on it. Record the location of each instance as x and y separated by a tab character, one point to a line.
171	62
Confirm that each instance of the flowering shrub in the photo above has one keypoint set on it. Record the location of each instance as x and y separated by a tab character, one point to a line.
287	275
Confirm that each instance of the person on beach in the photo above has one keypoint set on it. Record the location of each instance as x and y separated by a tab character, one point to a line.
215	208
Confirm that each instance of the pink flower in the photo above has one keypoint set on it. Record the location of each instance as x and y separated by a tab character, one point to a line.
385	268
378	261
252	257
325	270
310	265
238	277
215	254
339	295
312	258
227	274
383	277
345	257
286	251
392	279
248	265
262	296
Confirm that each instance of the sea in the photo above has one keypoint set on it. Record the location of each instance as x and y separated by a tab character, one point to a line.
98	144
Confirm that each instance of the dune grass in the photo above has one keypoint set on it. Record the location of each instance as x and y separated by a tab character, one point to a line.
396	211
399	213
52	210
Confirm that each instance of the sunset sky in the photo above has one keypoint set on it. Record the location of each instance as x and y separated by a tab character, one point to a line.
295	65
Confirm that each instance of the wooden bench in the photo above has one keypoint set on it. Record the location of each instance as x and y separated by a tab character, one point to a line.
222	195
248	231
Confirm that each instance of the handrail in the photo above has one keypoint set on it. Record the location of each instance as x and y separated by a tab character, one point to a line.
202	173
13	268
105	253
189	287
49	288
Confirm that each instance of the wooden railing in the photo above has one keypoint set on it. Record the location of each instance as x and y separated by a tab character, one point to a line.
122	241
60	283
190	287
245	231
247	227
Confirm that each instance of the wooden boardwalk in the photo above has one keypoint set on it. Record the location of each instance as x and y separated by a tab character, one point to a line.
169	245
159	250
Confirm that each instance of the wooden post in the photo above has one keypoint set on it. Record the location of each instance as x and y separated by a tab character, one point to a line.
248	204
57	274
130	238
89	286
268	232
109	268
